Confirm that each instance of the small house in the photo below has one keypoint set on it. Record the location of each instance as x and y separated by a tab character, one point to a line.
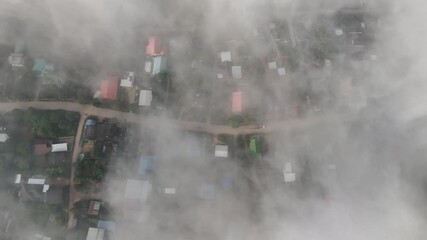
226	56
236	72
16	60
94	207
42	67
146	164
159	64
221	151
42	147
109	88
154	47
95	234
128	80
237	102
60	147
288	174
145	98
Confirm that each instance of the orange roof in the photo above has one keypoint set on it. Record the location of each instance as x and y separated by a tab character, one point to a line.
237	102
109	88
154	47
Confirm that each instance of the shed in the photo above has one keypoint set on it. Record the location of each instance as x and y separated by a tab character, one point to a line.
109	88
41	148
159	64
237	102
236	72
221	151
145	98
90	122
95	234
60	147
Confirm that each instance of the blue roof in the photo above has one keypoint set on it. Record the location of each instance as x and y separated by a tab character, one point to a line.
146	164
19	46
107	225
207	191
159	64
91	122
227	183
42	66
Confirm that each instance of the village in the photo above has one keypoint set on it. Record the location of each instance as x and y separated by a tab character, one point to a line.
92	176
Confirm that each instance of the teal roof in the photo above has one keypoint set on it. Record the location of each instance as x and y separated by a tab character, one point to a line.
159	64
19	46
42	66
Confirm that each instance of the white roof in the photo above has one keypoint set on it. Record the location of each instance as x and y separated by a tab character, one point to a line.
137	189
288	167
96	206
126	83
95	234
221	151
289	177
18	178
3	137
338	31
45	188
145	97
281	71
219	75
272	65
36	181
147	67
225	56
59	147
170	190
236	71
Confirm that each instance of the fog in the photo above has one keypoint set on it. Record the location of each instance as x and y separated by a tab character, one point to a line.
361	175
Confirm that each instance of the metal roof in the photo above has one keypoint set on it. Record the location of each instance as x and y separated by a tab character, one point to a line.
95	234
145	97
59	147
221	151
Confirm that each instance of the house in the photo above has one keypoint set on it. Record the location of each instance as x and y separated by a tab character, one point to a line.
16	60
145	98
107	225
137	190
236	72
94	207
288	174
221	151
42	147
19	46
226	56
272	65
4	137
128	80
146	164
159	64
18	178
281	71
237	102
109	88
42	67
95	234
59	147
154	47
147	66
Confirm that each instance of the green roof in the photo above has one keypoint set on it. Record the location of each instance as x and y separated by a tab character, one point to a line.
159	64
254	146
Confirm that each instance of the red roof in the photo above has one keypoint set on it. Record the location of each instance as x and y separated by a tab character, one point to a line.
41	148
154	47
109	88
237	102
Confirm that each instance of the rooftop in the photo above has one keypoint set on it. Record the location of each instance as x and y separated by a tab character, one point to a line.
145	98
95	234
109	88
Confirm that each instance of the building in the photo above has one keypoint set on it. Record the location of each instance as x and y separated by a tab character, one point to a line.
16	60
221	151
3	137
128	80
60	147
147	67
272	65
42	67
42	193
145	98
281	71
107	225
288	174
159	64
137	190
95	234
154	47
255	146
94	207
146	164
237	102
236	72
225	56
109	88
